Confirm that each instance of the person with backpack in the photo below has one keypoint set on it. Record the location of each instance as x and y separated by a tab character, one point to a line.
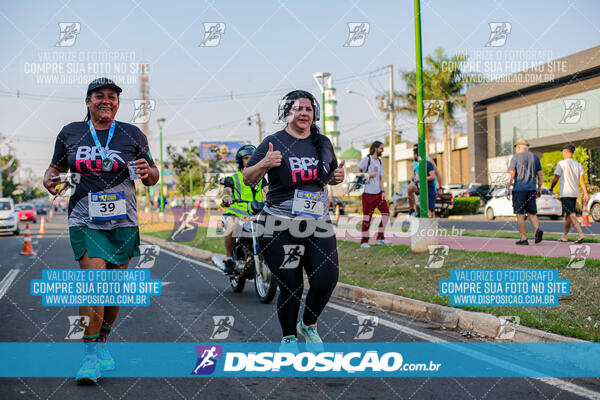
373	196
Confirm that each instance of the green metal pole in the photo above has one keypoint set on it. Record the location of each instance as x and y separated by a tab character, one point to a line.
423	198
162	197
323	113
191	188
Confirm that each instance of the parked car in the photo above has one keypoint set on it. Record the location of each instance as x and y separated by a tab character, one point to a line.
594	206
399	203
336	201
500	206
456	189
484	192
41	207
208	203
27	212
9	219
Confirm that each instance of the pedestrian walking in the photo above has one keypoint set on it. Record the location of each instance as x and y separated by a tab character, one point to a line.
571	174
524	170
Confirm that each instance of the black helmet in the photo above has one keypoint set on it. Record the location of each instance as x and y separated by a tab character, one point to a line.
247	149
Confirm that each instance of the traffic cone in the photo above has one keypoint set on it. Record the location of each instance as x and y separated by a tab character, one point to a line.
51	213
43	225
337	214
585	217
27	246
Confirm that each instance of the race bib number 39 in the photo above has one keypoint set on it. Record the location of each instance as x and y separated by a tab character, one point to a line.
106	206
307	203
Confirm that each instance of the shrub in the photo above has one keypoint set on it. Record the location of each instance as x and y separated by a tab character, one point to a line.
466	205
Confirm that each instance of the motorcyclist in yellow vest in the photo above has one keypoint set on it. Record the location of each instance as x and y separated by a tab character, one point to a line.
236	190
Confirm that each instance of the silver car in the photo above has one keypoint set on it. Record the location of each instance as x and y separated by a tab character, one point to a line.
594	206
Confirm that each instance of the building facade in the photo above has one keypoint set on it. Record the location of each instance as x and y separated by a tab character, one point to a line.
549	105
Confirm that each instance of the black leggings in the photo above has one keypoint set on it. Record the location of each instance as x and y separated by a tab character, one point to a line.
285	253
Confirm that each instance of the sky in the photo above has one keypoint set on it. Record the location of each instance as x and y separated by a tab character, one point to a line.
267	49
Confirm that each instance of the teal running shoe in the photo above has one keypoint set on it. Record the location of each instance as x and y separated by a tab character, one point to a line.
89	371
289	344
313	340
104	358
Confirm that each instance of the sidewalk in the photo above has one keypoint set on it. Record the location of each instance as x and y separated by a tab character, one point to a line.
544	248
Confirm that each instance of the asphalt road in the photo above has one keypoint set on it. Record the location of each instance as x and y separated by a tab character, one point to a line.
193	293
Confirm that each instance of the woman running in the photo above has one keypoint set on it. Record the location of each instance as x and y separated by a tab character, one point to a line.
103	229
297	230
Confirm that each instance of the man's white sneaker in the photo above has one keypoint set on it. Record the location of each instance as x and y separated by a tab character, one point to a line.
365	245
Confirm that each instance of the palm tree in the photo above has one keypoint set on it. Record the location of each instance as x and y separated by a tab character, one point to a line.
443	80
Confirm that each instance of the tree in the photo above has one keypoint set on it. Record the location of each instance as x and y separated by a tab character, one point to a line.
181	164
443	80
8	184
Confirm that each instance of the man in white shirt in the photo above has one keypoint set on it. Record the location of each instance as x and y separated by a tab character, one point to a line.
374	196
570	173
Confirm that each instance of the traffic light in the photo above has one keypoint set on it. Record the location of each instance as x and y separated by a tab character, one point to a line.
249	121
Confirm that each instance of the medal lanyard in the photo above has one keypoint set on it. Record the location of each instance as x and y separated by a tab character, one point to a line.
103	150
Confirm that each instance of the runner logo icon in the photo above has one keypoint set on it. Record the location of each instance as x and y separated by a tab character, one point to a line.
579	253
437	256
142	110
292	255
358	33
148	254
498	34
68	33
207	359
223	323
77	324
366	326
212	34
573	110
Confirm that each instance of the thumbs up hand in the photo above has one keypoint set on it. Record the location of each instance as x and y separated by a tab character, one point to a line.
338	174
272	158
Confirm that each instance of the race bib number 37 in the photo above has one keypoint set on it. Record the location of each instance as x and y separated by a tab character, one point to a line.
307	203
106	206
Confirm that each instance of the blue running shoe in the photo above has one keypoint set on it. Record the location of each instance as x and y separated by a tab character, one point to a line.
313	340
289	344
89	371
104	358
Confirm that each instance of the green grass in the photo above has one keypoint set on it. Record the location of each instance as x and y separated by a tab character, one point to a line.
393	269
214	244
515	235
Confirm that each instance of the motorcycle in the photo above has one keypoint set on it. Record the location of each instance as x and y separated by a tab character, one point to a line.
248	263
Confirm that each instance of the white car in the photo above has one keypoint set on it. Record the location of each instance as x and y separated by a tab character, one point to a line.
594	206
9	219
500	206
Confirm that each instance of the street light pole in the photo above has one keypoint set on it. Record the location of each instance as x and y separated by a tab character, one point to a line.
320	79
160	122
259	123
423	198
392	147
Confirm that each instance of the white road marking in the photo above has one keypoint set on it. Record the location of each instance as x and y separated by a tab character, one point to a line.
558	383
7	281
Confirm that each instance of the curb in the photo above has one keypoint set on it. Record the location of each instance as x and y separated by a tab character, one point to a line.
478	323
